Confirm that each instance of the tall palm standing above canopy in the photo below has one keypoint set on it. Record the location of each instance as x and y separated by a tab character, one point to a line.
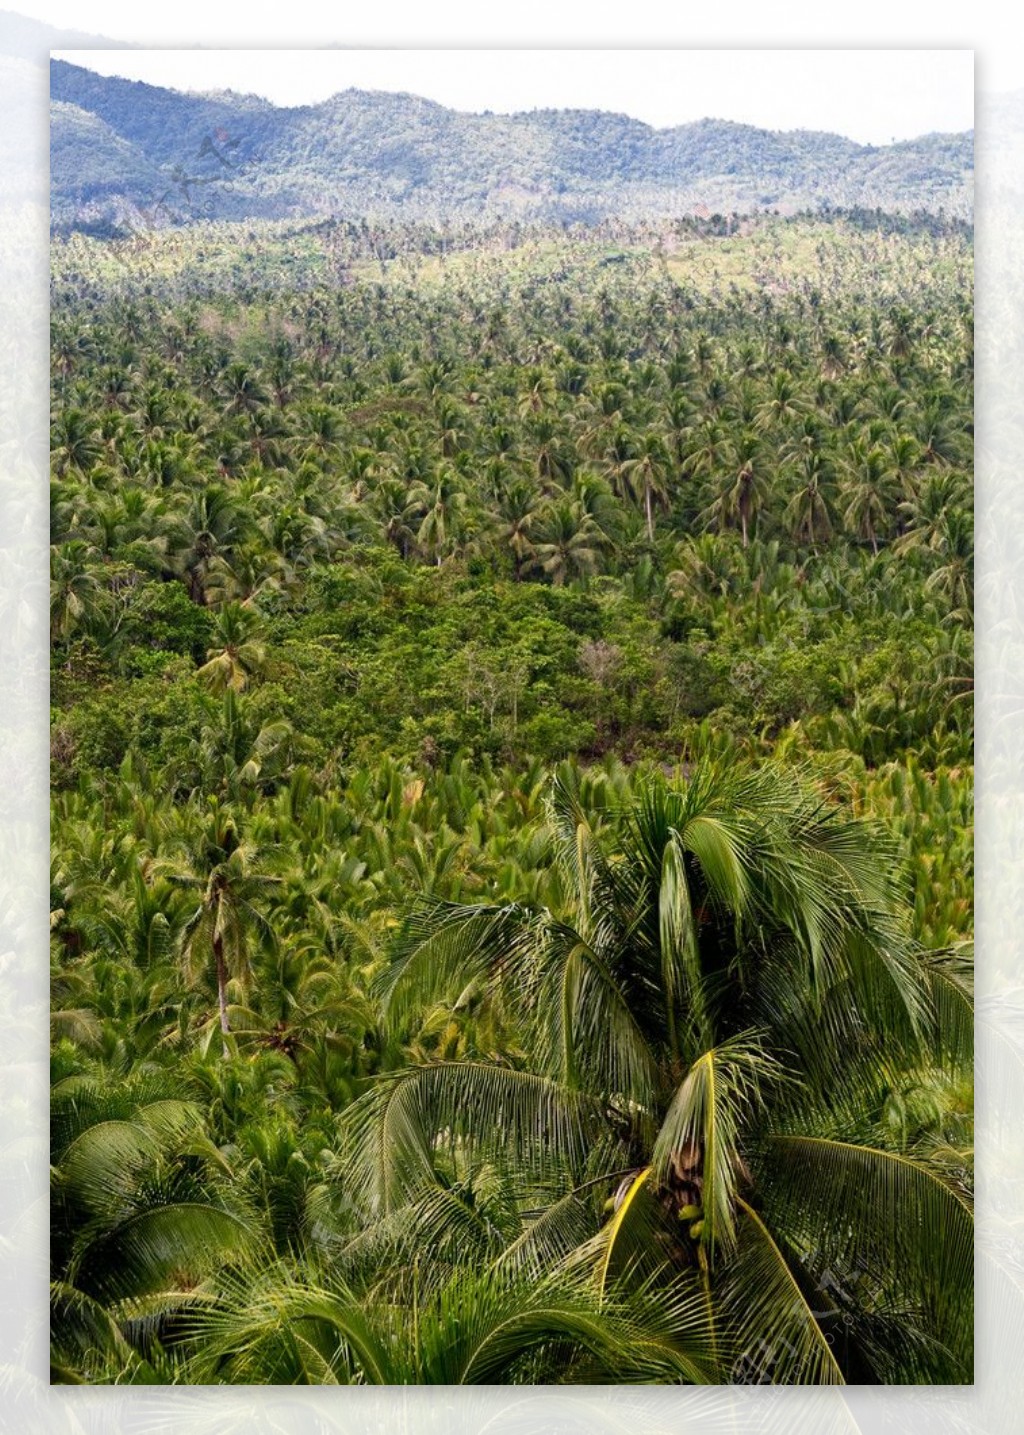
711	1018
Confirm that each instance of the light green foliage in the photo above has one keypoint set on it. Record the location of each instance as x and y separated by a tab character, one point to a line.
512	802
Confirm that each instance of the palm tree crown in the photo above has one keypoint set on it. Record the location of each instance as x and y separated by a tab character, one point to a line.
706	1012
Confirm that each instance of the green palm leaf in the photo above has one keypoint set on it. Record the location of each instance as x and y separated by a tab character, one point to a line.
143	1252
775	1334
884	1220
465	1107
590	1037
949	976
699	1140
444	945
84	1334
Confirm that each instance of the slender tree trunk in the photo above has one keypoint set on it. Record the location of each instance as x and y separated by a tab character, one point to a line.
222	984
650	515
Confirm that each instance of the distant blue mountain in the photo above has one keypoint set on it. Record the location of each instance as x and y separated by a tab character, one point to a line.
119	146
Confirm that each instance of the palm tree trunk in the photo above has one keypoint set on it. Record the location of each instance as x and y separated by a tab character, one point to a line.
222	984
650	515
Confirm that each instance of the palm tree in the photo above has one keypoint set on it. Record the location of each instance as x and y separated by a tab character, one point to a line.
237	652
551	455
320	435
209	529
518	511
868	489
647	475
538	395
75	442
709	1018
235	754
784	404
441	504
926	508
706	568
807	512
141	1217
953	579
742	490
226	872
943	429
490	1327
242	389
77	597
250	572
569	543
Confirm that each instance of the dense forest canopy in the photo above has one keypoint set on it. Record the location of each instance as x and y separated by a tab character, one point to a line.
512	760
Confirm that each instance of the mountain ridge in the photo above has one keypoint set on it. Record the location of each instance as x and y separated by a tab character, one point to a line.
373	152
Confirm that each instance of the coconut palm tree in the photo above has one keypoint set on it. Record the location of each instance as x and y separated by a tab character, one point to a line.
569	543
208	529
647	476
708	1017
75	442
868	491
518	510
490	1327
141	1216
742	490
77	597
807	512
237	652
706	567
440	505
226	873
953	579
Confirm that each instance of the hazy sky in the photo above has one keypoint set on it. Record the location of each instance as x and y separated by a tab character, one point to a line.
872	96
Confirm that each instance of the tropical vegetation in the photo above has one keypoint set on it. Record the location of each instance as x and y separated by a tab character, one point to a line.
511	893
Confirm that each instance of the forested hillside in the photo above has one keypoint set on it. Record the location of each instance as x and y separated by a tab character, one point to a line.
512	766
160	156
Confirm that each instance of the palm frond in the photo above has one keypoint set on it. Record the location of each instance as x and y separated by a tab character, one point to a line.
552	1236
949	977
885	1216
464	1107
268	1328
590	1036
479	1328
699	1140
144	1251
775	1335
77	1024
84	1333
629	1241
444	945
681	974
103	1164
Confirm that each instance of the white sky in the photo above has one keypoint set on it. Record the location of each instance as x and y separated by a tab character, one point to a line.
991	27
873	96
